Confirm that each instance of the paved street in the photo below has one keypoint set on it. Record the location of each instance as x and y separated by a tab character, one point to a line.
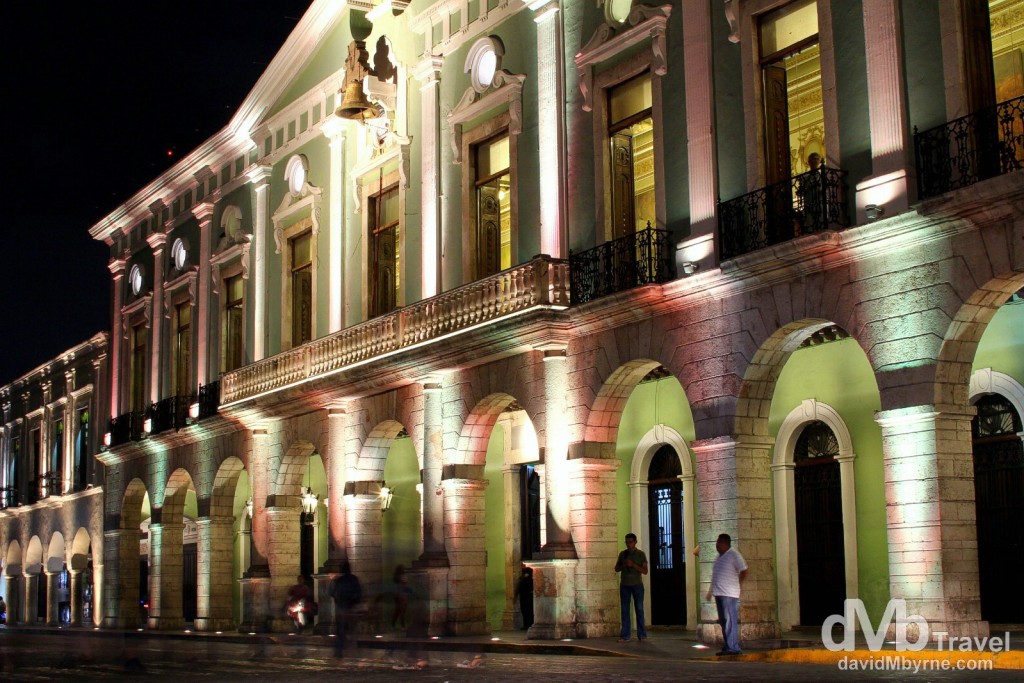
84	656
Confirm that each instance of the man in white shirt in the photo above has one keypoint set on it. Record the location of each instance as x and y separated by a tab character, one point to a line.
729	571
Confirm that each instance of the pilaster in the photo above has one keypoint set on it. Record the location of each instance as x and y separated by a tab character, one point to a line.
433	509
428	72
930	517
334	130
556	452
338	424
259	176
467	554
157	241
204	336
116	267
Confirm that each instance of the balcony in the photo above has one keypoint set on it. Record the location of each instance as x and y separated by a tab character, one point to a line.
48	484
543	282
807	203
125	428
970	149
9	497
642	258
170	413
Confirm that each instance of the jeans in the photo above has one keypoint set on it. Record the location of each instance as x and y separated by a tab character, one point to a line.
637	594
729	619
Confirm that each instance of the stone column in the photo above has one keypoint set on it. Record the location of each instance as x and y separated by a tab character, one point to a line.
165	576
214	581
513	540
334	130
256	593
550	124
259	177
931	518
593	509
52	612
31	598
734	493
467	553
428	72
97	594
556	452
433	509
75	595
363	517
701	150
338	424
121	590
156	242
116	267
891	183
283	556
554	599
204	346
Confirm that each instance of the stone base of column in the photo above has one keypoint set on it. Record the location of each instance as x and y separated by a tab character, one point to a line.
212	625
557	551
255	604
429	584
165	623
709	632
554	599
949	629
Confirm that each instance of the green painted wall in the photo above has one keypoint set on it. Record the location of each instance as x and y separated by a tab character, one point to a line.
840	375
650	403
1002	345
329	58
494	527
730	129
400	528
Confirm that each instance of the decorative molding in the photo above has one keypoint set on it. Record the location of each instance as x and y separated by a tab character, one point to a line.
733	19
187	279
506	88
237	251
645	21
399	152
141	306
439	15
290	205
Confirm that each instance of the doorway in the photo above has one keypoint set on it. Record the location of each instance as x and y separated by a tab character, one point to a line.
821	558
999	504
667	560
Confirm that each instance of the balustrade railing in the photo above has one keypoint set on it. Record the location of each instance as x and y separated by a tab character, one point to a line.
642	258
971	148
541	282
807	203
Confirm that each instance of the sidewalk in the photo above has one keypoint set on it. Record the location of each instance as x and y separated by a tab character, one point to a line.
674	645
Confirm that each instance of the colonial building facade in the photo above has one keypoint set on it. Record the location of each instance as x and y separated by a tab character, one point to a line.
51	502
465	285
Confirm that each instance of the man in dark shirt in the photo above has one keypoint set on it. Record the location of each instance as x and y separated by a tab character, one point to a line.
347	593
632	566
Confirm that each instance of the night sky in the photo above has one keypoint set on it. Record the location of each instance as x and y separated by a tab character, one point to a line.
97	95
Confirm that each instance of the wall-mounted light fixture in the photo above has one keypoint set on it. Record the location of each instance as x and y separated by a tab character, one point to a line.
249	507
147	425
107	439
690	267
386	494
193	410
874	211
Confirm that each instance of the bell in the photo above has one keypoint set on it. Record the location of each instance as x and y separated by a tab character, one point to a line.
355	105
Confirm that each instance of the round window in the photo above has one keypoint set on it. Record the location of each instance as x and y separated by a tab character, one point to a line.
179	254
617	11
484	61
135	280
295	174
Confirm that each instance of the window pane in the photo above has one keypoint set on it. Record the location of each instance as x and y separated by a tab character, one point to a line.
235	289
301	250
632	97
492	157
388	208
788	26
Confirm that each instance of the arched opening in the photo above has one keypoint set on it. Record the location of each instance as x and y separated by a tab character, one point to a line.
667	556
818	504
999	503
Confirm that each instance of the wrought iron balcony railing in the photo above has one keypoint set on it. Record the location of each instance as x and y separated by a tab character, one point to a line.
971	148
541	282
48	484
642	258
9	497
125	428
170	413
807	203
209	399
